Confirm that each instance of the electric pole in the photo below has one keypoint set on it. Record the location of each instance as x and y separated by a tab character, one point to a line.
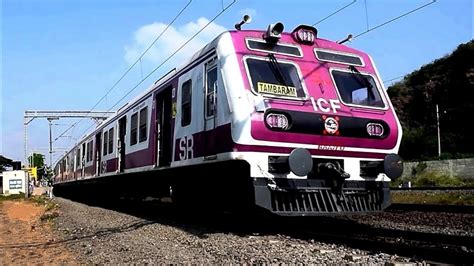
439	135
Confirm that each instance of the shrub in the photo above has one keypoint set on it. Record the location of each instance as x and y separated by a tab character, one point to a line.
434	179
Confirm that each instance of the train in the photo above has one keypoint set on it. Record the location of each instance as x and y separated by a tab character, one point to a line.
282	122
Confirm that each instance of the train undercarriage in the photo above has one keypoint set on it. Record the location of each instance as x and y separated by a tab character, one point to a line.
228	186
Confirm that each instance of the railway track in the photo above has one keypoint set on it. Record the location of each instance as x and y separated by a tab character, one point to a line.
431	208
433	189
431	247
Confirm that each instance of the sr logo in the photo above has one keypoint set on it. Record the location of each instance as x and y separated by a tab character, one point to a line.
186	147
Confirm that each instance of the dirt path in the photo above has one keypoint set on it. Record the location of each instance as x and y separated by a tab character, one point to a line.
24	239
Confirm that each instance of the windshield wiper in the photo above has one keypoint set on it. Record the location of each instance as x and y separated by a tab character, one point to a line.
276	70
358	76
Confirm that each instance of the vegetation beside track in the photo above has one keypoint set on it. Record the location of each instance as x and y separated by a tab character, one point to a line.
433	197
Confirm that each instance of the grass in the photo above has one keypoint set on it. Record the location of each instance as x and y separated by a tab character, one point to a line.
12	197
435	197
433	179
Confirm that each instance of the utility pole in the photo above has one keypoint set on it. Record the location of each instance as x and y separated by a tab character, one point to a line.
439	135
51	139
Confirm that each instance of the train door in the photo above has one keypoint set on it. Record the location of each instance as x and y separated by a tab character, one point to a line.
98	144
163	127
122	131
210	107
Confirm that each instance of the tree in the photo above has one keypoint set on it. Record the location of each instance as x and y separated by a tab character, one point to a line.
449	83
36	160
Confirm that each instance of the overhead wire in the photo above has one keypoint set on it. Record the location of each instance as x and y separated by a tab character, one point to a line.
131	66
334	13
392	79
393	19
366	15
169	57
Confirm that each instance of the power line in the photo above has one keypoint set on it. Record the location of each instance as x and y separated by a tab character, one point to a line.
169	57
366	14
131	67
393	19
392	79
334	13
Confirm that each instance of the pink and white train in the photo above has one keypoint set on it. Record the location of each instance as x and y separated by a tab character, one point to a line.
286	122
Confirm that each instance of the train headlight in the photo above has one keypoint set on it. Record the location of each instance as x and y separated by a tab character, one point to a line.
277	121
375	129
305	34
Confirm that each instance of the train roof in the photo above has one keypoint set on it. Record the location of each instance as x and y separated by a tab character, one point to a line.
208	47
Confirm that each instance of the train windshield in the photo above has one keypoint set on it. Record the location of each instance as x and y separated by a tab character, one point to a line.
274	78
357	89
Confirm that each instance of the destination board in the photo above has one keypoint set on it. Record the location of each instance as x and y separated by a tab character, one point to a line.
276	89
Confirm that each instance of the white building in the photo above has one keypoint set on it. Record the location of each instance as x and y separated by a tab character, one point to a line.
15	182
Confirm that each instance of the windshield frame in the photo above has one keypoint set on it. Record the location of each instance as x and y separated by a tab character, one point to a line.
280	60
377	85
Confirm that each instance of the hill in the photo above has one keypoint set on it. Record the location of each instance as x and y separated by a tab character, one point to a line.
448	82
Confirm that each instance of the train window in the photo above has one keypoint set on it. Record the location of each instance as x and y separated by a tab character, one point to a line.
142	134
83	153
133	129
106	139
78	158
338	57
111	140
211	87
186	96
356	88
275	78
89	151
88	146
263	46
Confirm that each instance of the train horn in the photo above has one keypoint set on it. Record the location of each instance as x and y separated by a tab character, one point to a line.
245	19
273	33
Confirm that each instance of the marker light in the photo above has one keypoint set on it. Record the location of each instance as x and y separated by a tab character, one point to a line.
375	129
305	34
277	121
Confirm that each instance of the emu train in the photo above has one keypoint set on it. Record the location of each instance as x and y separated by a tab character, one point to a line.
257	119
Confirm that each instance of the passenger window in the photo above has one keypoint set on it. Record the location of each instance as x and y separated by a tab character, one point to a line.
143	124
186	96
133	129
104	147
111	140
211	87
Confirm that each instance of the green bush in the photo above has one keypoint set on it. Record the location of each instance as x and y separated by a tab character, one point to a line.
12	197
434	179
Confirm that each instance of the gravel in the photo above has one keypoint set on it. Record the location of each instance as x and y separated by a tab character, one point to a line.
99	235
461	224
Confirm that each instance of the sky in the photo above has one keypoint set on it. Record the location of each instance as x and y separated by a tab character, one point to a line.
66	54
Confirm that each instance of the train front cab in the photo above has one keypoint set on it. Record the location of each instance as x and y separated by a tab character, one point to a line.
323	134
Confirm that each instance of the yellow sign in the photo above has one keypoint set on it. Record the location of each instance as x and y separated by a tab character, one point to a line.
276	89
32	171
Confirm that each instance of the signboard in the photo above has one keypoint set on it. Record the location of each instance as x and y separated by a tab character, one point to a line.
32	171
15	184
276	89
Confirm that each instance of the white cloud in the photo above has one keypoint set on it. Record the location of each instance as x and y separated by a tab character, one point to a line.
248	11
171	40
